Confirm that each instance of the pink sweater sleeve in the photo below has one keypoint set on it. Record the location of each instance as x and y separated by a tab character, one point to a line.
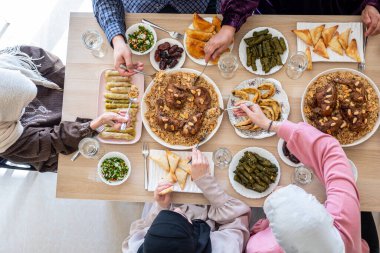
324	155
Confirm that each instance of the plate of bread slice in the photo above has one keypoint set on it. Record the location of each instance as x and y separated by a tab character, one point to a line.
174	167
330	42
198	34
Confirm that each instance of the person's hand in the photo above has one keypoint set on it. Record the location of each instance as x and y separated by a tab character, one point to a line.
199	165
255	113
371	19
123	55
163	200
219	42
110	118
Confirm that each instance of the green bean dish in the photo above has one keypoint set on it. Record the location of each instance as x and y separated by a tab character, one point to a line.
255	172
114	169
266	48
141	40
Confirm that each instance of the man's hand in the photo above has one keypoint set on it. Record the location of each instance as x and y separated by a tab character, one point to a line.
219	42
371	18
163	200
123	55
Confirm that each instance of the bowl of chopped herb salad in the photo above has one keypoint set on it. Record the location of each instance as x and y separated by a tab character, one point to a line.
114	168
141	38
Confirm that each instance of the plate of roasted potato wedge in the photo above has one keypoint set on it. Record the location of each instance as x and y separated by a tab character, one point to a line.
254	172
269	95
198	34
263	51
122	95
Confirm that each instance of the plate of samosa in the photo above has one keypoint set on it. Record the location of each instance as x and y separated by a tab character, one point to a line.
198	34
331	42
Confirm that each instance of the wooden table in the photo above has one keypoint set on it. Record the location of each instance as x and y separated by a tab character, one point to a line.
79	179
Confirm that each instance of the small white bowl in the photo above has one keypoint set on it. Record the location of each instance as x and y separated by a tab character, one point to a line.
118	155
172	42
134	28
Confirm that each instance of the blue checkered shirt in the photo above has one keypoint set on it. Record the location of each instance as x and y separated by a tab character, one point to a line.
110	13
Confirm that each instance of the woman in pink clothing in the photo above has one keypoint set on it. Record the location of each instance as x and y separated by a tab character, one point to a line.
296	221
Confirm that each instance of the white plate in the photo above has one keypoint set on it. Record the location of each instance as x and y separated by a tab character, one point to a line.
161	141
283	157
355	72
156	173
118	155
201	61
354	170
240	188
172	42
243	52
134	28
280	96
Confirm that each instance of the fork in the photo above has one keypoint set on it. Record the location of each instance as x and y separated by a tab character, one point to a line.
122	66
196	79
361	65
247	103
174	35
131	101
145	153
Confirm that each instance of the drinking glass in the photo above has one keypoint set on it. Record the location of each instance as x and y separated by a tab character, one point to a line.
296	65
94	41
228	64
222	158
302	175
90	148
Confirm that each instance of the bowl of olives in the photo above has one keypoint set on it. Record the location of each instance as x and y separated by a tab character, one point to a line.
167	54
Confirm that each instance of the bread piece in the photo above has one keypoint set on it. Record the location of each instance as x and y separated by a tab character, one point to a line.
335	45
184	165
181	177
304	35
202	25
166	191
309	59
173	163
161	161
195	48
344	38
217	23
328	34
352	51
198	35
316	33
320	49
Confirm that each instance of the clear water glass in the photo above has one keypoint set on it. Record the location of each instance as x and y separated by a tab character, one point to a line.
222	158
302	175
296	65
93	41
228	64
90	148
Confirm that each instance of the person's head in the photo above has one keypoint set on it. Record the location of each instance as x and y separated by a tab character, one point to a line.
16	92
173	232
300	223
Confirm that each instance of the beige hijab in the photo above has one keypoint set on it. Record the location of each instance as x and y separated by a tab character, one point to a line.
18	79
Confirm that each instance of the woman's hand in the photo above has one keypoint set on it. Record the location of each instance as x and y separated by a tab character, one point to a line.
163	200
371	18
123	55
199	165
219	42
110	118
255	113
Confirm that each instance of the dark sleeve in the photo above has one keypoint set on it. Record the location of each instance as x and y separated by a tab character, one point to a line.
110	16
374	3
236	12
40	146
49	65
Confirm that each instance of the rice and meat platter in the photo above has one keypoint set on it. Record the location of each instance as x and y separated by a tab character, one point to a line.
180	113
342	104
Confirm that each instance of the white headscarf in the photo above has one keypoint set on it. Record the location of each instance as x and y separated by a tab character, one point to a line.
18	79
300	223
